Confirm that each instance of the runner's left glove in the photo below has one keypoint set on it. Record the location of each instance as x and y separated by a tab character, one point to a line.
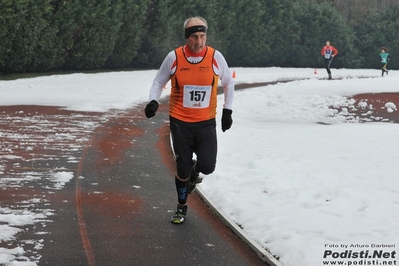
151	108
227	121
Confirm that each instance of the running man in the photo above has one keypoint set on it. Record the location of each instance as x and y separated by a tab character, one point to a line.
328	52
384	55
194	70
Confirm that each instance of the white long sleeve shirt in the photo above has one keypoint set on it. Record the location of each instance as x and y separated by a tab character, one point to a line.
220	68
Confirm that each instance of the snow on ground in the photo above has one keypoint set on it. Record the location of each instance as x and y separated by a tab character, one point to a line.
301	181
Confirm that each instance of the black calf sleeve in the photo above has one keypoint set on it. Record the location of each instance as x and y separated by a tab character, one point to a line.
182	188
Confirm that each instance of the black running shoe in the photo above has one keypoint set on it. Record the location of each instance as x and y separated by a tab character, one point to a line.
180	215
194	178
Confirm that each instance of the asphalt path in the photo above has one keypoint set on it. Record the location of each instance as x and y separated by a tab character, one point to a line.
117	208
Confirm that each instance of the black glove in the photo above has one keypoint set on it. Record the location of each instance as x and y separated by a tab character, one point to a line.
151	108
226	119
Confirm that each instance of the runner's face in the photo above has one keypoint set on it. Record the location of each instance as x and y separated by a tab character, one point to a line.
196	42
328	43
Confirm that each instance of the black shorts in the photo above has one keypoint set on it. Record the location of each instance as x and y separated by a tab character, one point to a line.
199	138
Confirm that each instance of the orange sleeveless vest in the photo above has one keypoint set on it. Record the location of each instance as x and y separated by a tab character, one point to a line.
194	88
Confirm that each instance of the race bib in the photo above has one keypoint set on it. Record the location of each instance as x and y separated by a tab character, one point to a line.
383	60
196	96
327	56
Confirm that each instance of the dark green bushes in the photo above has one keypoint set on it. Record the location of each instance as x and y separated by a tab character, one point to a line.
39	36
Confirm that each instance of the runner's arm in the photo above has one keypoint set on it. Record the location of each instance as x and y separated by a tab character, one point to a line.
162	77
226	80
323	51
335	51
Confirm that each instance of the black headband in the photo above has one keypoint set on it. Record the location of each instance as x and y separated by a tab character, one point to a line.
193	29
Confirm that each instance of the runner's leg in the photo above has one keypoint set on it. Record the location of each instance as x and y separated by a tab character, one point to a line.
206	148
327	66
183	142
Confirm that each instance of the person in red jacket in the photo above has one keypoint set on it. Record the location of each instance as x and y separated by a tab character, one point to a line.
329	52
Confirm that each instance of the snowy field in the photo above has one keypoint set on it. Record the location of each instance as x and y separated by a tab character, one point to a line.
310	184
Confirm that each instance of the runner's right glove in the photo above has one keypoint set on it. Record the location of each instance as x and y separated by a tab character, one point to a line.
151	108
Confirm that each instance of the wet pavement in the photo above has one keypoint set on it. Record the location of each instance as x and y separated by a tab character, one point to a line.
100	190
